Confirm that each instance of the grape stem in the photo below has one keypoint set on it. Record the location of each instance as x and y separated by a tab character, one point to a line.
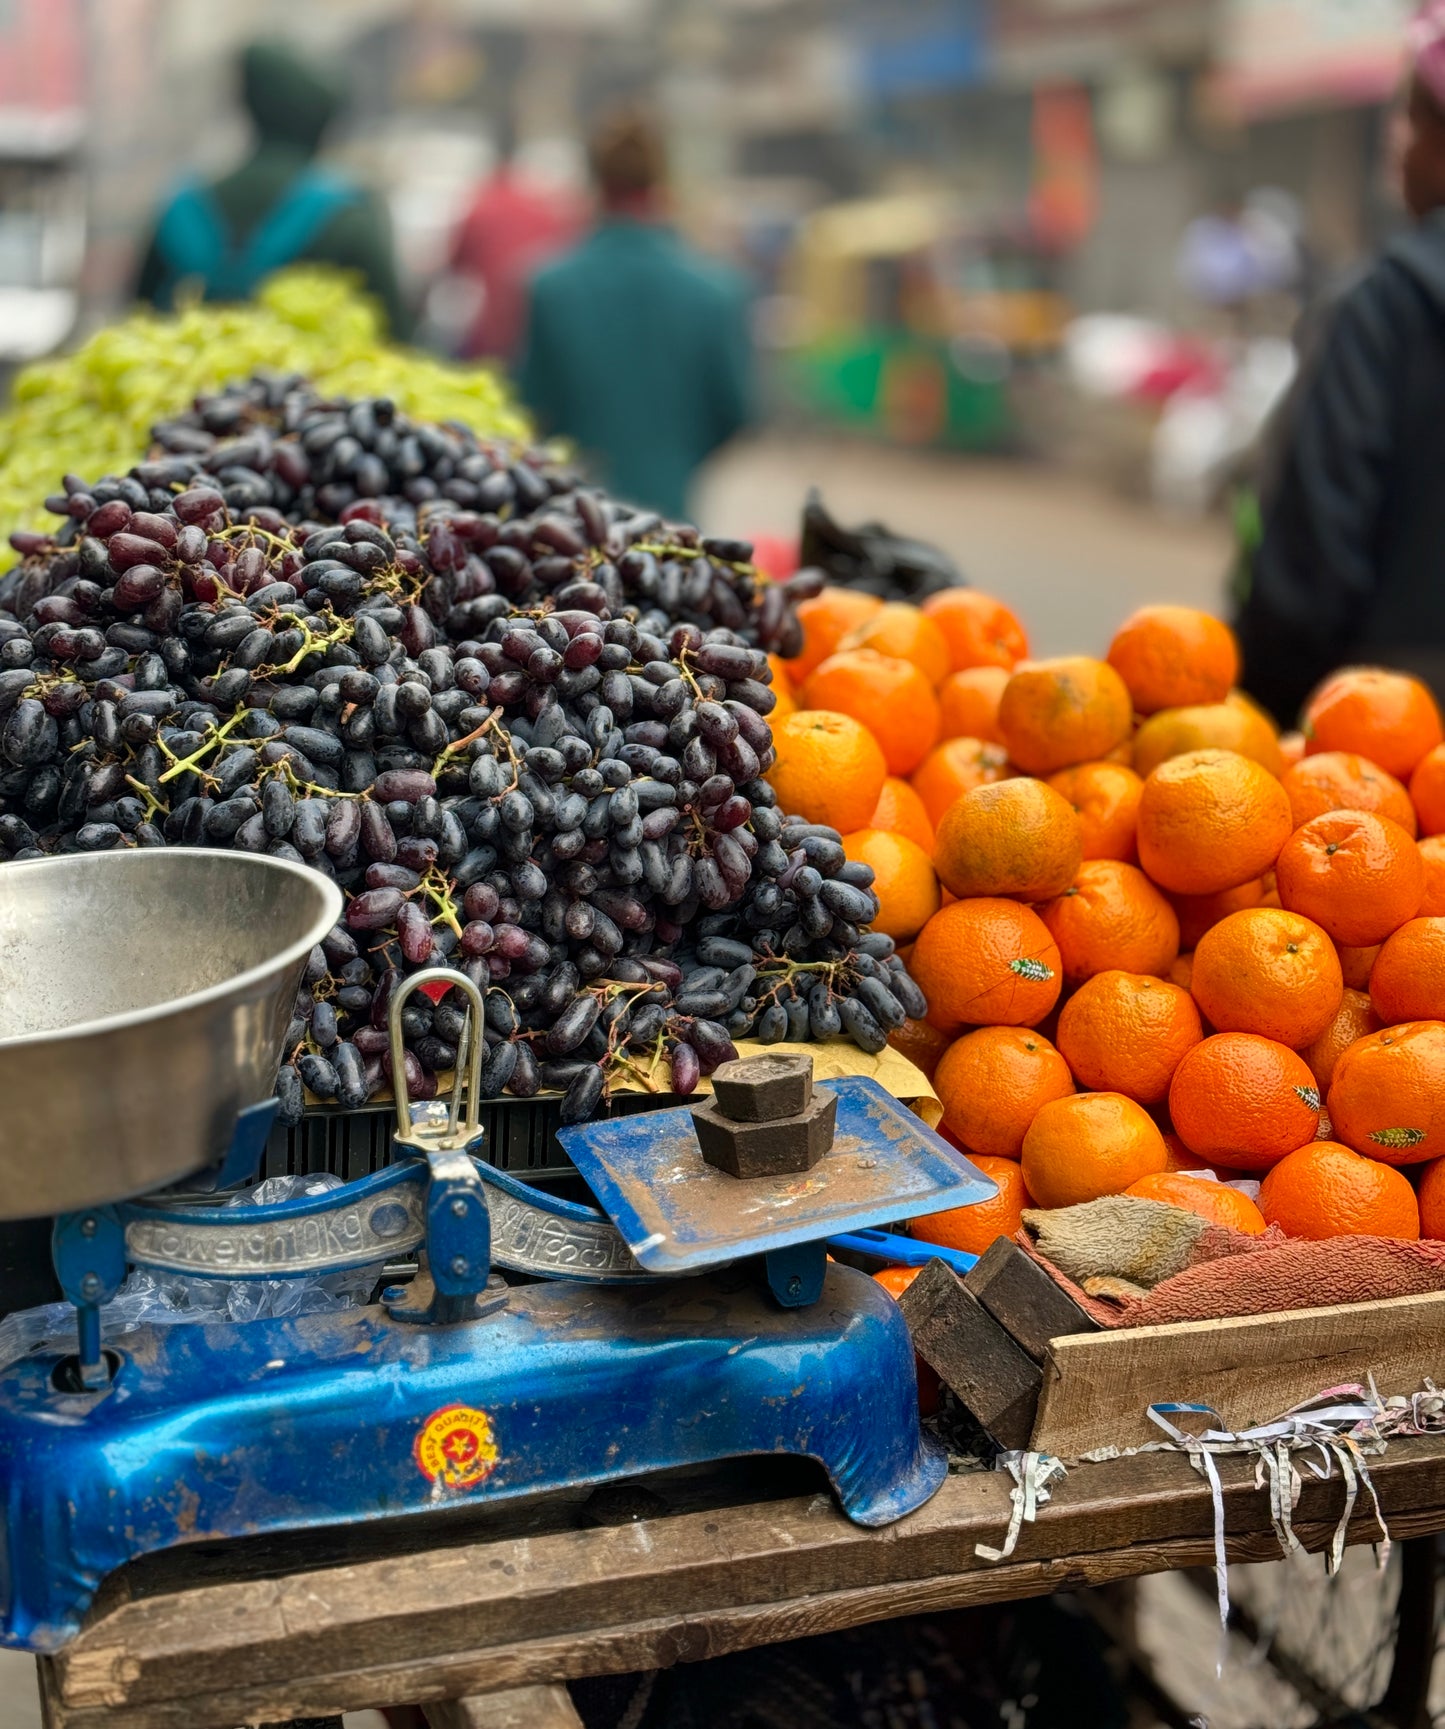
213	739
152	803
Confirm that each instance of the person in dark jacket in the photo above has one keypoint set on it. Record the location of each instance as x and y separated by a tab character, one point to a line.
279	207
1351	562
637	347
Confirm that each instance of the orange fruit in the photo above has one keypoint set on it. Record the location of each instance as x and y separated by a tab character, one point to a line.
1292	747
826	620
1427	790
1326	1190
987	963
1054	713
903	880
953	768
782	688
1199	913
1269	972
1173	656
1089	1145
1386	716
1340	780
1387	1096
1105	797
1407	981
1356	965
1216	1202
829	769
902	630
1353	1019
972	1229
900	811
1357	875
993	1083
979	630
1180	1157
1243	1102
922	1044
1181	970
1126	1033
891	697
1111	915
1210	820
1215	726
1432	857
1431	1197
1015	837
968	703
896	1280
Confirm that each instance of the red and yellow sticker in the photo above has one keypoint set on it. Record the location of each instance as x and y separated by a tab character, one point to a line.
456	1447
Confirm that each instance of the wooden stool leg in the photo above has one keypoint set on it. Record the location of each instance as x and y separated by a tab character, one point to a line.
519	1708
1407	1698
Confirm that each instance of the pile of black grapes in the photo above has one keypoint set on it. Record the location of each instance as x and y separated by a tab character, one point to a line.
521	724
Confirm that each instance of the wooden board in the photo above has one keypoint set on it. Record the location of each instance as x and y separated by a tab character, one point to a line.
517	1708
543	1606
1097	1387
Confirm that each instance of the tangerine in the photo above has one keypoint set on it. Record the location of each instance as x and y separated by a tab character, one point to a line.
993	1083
1386	716
1105	797
1015	837
1387	1095
900	629
1242	1101
979	630
1125	1032
1407	981
1181	970
968	703
1216	1202
1292	747
900	811
829	769
1432	857
1357	875
1089	1145
896	1280
1215	726
974	1228
891	697
1431	1197
1269	972
1055	713
1174	656
1200	913
1112	916
1354	1018
1356	965
1210	820
922	1044
903	880
954	768
826	620
783	691
1327	1190
1427	790
1340	780
986	963
1180	1157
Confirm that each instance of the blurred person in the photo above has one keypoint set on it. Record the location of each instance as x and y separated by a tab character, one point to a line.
279	207
637	346
1350	563
513	226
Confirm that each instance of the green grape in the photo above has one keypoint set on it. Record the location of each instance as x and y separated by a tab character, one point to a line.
90	412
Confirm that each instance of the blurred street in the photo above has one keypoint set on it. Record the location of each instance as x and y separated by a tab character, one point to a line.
1071	559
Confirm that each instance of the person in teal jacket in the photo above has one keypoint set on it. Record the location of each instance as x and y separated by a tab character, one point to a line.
279	207
637	347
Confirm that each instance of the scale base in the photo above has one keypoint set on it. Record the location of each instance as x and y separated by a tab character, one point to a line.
212	1432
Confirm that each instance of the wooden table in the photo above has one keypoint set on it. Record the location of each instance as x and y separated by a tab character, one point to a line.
491	1609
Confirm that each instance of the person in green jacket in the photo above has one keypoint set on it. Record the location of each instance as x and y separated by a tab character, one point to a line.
279	207
637	347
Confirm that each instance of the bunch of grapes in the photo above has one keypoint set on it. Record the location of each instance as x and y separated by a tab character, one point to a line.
522	725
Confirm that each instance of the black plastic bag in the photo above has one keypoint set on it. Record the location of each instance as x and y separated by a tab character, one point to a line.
872	558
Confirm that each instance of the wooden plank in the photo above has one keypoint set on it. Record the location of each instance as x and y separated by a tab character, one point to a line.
1097	1389
545	1707
1024	1300
972	1354
538	1609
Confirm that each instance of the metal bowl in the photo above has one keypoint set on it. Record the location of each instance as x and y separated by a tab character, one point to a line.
144	999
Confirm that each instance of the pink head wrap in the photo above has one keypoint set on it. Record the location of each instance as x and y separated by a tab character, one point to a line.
1426	43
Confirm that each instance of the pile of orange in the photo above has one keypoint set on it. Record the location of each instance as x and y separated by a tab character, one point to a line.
1164	950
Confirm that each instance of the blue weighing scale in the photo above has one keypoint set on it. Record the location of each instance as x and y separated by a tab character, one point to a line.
695	1317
